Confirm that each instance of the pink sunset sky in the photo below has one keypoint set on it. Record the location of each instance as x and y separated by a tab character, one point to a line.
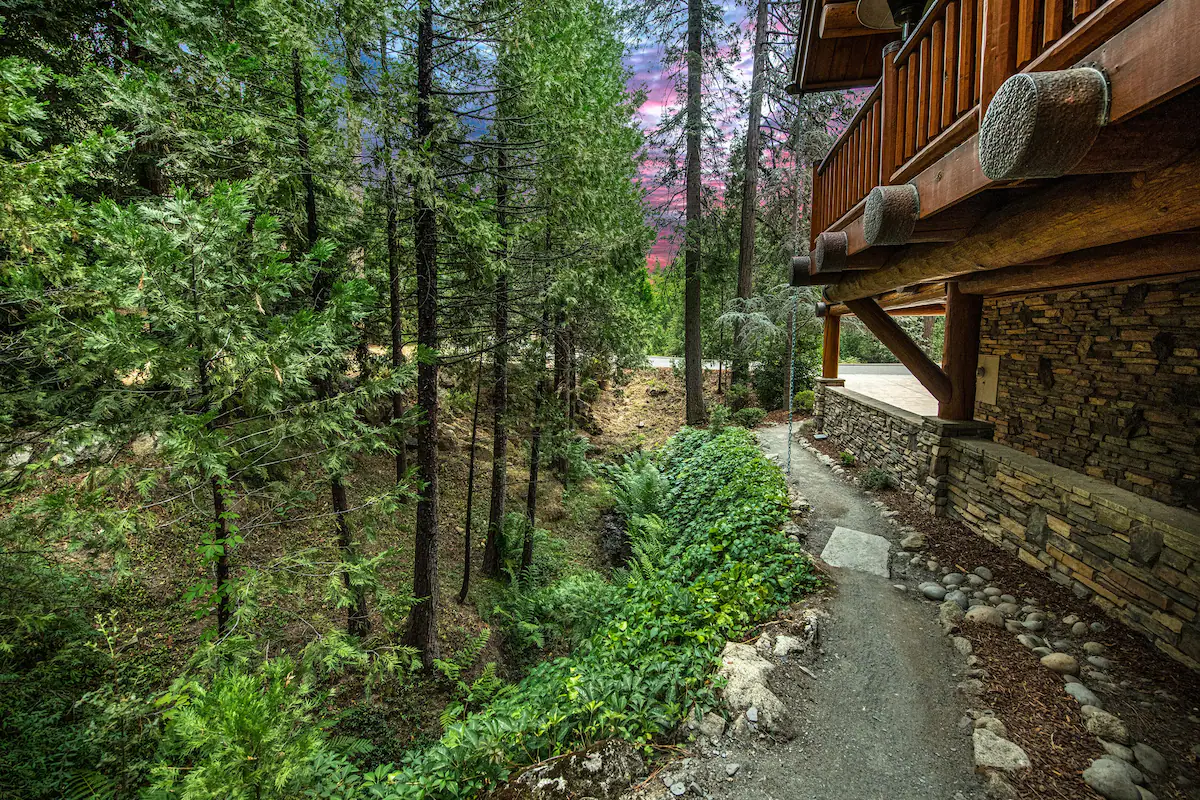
648	74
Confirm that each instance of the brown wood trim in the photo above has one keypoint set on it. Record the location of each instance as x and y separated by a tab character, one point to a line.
895	339
922	30
862	111
962	129
1089	34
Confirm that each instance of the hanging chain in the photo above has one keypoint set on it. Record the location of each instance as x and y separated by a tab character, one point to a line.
791	380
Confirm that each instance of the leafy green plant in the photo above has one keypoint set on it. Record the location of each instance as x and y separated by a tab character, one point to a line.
804	400
877	480
737	397
638	487
718	419
847	458
749	417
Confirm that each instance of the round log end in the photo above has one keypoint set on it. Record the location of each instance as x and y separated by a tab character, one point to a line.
800	265
830	252
822	308
890	214
1041	124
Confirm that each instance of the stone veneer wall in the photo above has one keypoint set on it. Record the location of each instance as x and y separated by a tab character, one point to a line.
1138	559
1105	381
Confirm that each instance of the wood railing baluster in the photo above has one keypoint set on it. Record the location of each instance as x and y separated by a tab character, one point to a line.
937	62
949	76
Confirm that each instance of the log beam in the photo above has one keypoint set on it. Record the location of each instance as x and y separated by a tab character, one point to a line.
1151	257
960	354
840	20
800	272
1073	214
830	347
895	339
891	214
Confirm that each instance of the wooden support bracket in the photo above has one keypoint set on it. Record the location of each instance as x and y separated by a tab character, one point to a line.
895	339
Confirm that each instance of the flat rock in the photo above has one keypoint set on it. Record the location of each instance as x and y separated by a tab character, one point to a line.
1110	780
1061	663
994	752
851	549
1118	750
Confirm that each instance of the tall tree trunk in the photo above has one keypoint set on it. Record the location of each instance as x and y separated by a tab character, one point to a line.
491	549
357	622
535	453
561	391
693	356
422	619
466	581
393	257
572	379
221	529
745	283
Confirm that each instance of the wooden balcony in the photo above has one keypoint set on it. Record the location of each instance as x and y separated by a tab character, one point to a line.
936	86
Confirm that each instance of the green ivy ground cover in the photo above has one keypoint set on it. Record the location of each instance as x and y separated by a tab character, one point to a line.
640	672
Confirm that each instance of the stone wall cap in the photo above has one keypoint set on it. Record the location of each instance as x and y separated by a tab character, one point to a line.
878	405
1181	522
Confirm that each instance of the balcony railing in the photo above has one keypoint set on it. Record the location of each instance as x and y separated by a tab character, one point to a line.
936	86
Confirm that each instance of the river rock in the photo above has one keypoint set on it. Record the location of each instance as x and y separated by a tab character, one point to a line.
992	724
914	541
1079	629
1008	609
953	579
950	614
1035	625
1117	750
958	597
1061	663
994	752
1070	619
984	573
1100	662
963	646
933	591
1093	648
1110	780
1083	695
1008	598
1149	759
1029	641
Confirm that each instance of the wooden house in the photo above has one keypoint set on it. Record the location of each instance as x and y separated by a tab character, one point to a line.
1031	169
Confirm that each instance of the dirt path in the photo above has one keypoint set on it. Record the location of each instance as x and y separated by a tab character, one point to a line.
881	719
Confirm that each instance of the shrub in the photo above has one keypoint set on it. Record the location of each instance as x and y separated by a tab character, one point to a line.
637	486
877	480
737	397
718	419
847	458
804	400
749	417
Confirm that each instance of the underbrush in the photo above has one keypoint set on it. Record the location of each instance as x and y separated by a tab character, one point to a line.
635	653
650	656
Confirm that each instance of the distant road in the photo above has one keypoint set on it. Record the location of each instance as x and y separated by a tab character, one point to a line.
660	362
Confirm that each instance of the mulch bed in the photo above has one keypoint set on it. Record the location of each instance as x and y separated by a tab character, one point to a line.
1160	702
1039	715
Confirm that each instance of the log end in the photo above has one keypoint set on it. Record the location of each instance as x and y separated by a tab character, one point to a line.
821	309
1041	124
800	271
890	214
830	252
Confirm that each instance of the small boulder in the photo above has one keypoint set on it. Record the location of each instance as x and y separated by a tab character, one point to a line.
995	752
1061	663
1106	726
950	614
992	724
963	646
957	596
933	591
786	645
915	541
745	673
954	579
1110	780
984	573
1008	609
1117	750
985	615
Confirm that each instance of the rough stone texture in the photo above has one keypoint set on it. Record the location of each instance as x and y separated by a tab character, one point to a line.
745	673
1149	759
985	615
993	752
1061	663
1104	381
853	549
1110	780
1108	727
604	771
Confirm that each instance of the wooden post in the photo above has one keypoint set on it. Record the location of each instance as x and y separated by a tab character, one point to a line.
895	339
960	355
830	347
999	57
891	107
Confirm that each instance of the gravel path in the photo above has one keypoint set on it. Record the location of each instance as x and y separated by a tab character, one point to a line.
882	719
